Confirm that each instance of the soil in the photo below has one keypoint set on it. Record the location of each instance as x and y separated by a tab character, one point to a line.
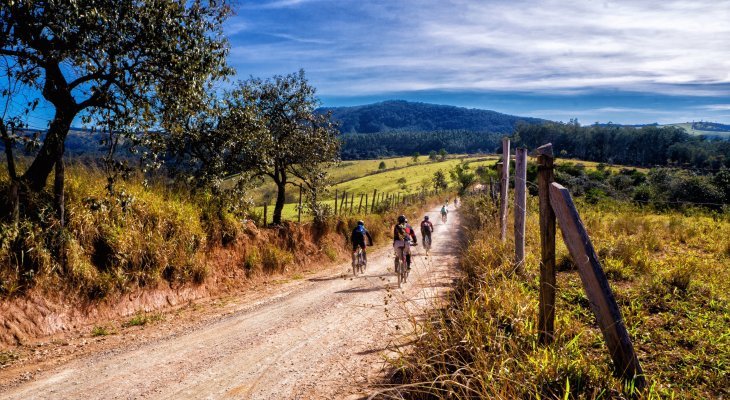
315	335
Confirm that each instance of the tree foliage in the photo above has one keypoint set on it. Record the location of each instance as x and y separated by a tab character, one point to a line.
126	63
439	181
463	176
294	140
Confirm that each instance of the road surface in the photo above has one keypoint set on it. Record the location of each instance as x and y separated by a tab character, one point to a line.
328	336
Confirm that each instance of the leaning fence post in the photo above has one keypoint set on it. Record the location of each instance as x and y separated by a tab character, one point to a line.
520	207
596	286
504	188
546	318
352	202
335	201
372	206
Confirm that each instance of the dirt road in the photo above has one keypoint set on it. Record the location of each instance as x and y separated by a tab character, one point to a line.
327	337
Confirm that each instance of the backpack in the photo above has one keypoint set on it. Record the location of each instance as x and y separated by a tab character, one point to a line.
401	232
425	227
358	234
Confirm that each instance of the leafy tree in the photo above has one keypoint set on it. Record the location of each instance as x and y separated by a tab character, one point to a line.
439	181
402	183
432	155
126	63
462	176
294	140
442	154
381	165
415	156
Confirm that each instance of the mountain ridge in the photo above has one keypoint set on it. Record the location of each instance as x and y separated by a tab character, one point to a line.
395	115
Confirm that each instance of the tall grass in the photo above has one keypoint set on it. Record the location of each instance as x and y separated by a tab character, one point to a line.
669	275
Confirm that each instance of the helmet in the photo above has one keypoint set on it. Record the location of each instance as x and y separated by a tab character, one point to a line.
402	219
360	222
426	218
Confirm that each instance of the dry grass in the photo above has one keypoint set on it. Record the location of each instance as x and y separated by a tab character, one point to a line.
669	275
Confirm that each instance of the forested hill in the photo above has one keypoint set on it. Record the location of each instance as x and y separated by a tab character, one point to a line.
400	115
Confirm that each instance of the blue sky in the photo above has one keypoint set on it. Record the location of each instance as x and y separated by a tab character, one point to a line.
626	62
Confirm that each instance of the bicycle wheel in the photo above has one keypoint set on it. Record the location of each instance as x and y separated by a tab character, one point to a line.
355	263
361	262
398	270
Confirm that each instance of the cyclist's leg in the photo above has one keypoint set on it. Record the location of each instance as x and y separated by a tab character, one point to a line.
407	251
398	252
364	256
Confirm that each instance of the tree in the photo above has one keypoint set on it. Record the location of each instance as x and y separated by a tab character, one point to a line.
381	165
432	155
415	156
462	176
123	62
442	154
439	181
294	140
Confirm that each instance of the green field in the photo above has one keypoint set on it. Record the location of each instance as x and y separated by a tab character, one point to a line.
687	126
363	177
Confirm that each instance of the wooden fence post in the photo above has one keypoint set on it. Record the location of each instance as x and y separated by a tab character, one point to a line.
596	286
375	194
352	202
504	189
343	202
299	209
335	201
366	203
545	176
520	207
265	212
359	205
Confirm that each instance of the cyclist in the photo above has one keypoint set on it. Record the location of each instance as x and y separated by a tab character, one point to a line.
402	235
426	229
358	239
444	213
456	202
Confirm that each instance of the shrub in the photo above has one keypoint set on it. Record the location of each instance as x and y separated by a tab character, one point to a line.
274	259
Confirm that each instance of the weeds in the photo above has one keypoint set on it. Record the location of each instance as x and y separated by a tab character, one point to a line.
141	319
672	288
103	330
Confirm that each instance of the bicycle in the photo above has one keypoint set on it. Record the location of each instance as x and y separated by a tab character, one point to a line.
401	267
427	243
443	217
359	265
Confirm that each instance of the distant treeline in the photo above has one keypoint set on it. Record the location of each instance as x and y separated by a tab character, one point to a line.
613	144
395	143
399	115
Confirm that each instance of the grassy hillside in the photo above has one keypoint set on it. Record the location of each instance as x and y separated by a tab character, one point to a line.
687	126
363	176
668	272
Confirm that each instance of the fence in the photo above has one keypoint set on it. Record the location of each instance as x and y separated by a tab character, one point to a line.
556	204
353	203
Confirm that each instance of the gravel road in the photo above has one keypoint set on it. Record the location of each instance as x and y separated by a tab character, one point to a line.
326	336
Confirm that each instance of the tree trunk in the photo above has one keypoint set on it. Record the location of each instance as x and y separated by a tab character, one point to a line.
280	198
51	150
58	184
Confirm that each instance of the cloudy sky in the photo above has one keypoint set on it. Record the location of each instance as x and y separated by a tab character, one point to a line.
626	62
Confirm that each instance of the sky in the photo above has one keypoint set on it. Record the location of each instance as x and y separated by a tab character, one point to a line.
597	61
628	62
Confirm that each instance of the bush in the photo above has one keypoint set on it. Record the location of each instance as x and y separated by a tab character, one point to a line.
274	259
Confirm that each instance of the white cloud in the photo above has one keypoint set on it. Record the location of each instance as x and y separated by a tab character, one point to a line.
554	45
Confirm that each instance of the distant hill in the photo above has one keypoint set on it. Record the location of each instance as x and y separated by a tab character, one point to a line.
400	115
709	129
